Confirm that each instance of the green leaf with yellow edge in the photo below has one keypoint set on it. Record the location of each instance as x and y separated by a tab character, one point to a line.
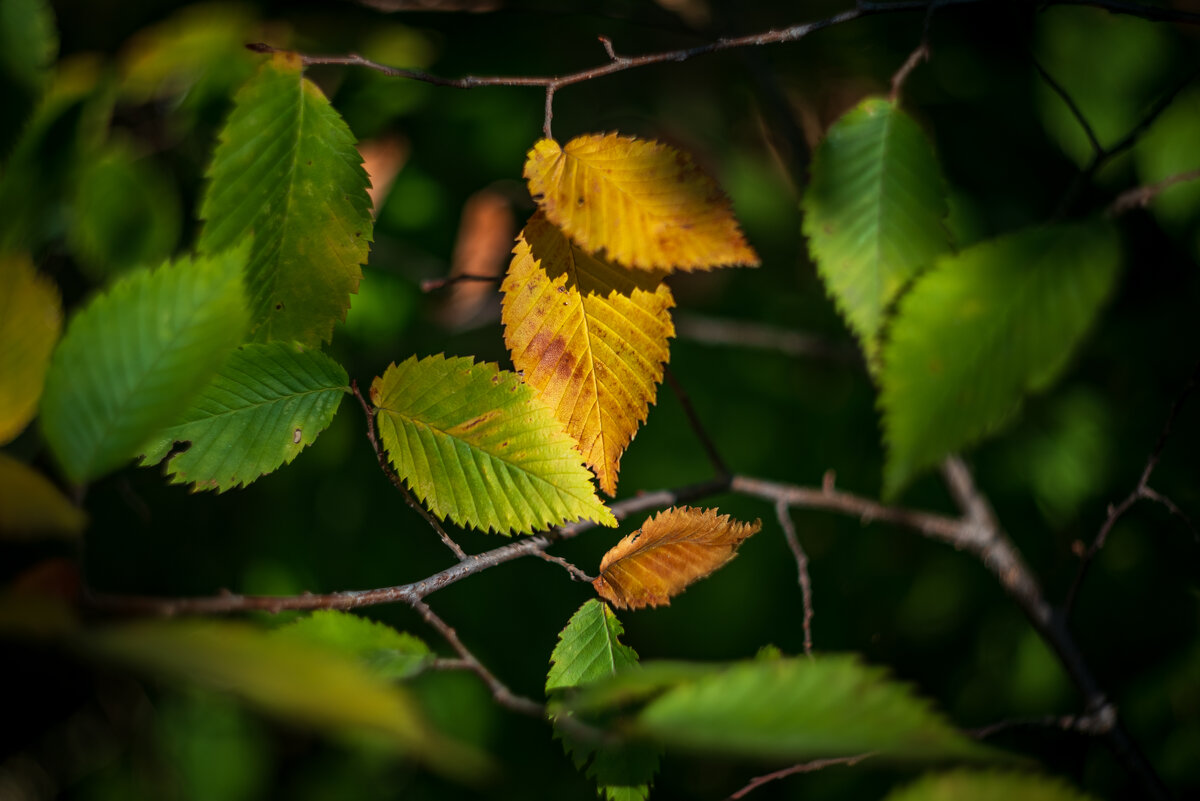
982	330
296	681
383	651
477	446
589	337
988	786
873	213
30	322
645	204
286	172
267	403
798	709
134	358
33	508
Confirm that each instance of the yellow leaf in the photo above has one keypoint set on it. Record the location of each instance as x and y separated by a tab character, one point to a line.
32	507
30	322
644	203
669	552
590	338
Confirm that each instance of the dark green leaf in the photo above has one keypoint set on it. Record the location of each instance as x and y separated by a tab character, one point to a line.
988	786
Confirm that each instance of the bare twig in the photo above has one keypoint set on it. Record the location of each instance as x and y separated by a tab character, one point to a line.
714	331
803	767
1141	196
919	54
381	457
783	512
1140	491
434	284
575	572
1097	148
1095	723
710	448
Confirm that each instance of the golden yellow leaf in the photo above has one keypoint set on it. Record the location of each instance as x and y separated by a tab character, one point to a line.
644	203
30	322
590	338
670	551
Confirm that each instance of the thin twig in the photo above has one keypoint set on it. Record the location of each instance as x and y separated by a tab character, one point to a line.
1097	148
783	512
384	465
919	54
1096	723
738	333
803	767
1140	491
1141	196
710	448
434	284
575	572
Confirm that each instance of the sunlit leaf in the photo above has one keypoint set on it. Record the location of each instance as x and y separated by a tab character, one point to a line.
385	652
987	786
798	709
873	212
644	203
982	330
477	446
134	358
266	404
30	322
591	339
286	171
31	507
671	550
294	680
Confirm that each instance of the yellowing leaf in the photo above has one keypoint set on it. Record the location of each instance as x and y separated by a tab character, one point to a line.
31	507
30	322
644	203
591	338
669	552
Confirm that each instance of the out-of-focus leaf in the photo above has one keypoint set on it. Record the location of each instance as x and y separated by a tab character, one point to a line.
982	330
589	648
987	786
135	356
632	688
33	508
286	172
385	652
266	404
671	550
294	680
874	213
798	709
483	245
35	616
591	339
1169	149
30	322
371	102
645	204
28	45
477	446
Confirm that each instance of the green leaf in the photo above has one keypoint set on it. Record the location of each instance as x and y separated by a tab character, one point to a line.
293	680
383	651
634	687
983	329
987	786
874	213
795	709
589	648
1169	149
266	404
31	507
28	46
286	172
477	446
135	356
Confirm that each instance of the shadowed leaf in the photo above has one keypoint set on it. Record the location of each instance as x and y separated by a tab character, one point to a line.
589	648
30	322
987	786
31	507
591	339
477	446
645	204
670	551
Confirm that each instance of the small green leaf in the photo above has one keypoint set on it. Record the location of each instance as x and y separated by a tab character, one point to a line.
987	786
266	404
286	172
589	648
385	652
294	680
135	356
797	709
981	331
477	446
874	213
31	507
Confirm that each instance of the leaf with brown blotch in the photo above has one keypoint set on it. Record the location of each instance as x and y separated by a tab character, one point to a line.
670	551
645	204
591	339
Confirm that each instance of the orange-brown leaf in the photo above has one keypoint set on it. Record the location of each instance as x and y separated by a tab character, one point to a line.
645	204
669	552
590	338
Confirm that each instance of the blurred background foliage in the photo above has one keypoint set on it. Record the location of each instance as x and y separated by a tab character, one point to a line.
104	172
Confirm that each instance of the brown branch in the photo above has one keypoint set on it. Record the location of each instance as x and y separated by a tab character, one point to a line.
714	331
1141	196
919	54
803	767
782	511
1096	723
710	448
434	284
575	572
384	465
